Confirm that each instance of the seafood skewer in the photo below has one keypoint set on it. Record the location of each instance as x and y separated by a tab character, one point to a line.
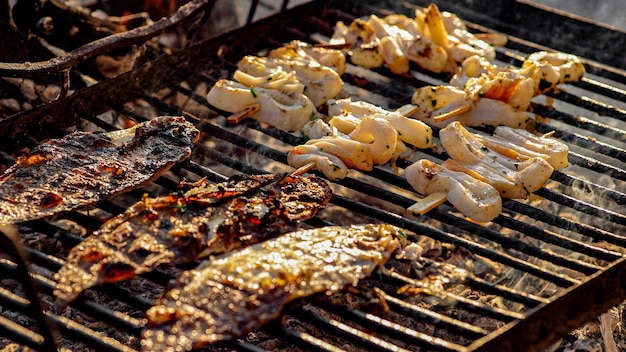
438	106
434	40
357	136
232	294
85	168
545	69
180	228
285	110
514	175
474	198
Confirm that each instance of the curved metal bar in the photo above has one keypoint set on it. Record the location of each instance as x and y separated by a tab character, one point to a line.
114	41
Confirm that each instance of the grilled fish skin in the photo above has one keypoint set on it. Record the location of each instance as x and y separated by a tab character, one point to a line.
85	168
180	228
232	294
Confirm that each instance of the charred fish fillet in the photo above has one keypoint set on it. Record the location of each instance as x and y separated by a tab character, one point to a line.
85	168
232	294
180	228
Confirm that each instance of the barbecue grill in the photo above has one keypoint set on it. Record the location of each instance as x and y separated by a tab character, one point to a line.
553	263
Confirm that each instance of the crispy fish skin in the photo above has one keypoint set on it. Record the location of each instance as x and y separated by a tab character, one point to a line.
232	294
180	228
85	168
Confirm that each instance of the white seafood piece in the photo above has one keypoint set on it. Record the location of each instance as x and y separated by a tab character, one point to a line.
456	28
556	151
320	82
449	32
393	56
438	106
379	136
468	150
365	48
475	199
318	128
473	66
551	68
326	163
425	53
507	86
254	71
284	110
354	154
411	131
329	57
346	124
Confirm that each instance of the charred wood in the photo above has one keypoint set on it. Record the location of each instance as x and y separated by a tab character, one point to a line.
137	36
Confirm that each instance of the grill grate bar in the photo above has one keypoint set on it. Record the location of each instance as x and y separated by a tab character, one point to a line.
600	191
309	340
561	241
20	334
565	223
434	318
596	86
591	105
582	206
524	298
585	142
459	301
352	334
373	322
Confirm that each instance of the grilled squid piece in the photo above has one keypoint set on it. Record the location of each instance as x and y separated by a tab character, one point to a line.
475	199
374	130
365	48
379	136
359	142
507	86
287	111
554	151
254	71
354	154
438	106
409	130
448	31
227	296
393	56
326	163
318	82
473	67
515	176
417	47
545	69
549	69
296	49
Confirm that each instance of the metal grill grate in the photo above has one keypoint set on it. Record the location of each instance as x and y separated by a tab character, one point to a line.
570	243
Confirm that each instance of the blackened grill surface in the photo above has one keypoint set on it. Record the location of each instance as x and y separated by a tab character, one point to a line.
566	250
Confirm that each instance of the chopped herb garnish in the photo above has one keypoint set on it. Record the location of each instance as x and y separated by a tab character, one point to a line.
252	91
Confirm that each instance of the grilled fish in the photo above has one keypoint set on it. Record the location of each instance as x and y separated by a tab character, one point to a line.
85	168
232	294
180	228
